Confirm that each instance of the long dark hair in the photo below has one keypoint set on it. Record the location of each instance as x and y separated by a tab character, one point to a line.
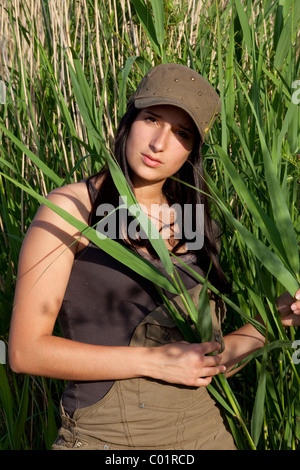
192	172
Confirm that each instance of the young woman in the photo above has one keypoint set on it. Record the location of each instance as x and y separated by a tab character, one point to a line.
133	382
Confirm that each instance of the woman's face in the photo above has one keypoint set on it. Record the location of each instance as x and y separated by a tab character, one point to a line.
159	142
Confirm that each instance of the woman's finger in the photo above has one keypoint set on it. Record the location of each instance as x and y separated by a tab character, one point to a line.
210	347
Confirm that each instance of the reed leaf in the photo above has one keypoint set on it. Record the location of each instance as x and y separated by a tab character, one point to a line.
134	208
159	23
7	404
204	316
258	409
261	251
186	330
19	423
86	106
145	17
288	32
113	248
37	161
278	202
262	220
244	22
227	300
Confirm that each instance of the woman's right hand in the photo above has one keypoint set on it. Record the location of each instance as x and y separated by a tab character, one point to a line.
185	363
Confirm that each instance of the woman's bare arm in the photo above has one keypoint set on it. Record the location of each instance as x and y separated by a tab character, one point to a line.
238	345
242	342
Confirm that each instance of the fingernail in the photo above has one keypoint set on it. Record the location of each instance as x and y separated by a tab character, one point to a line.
297	296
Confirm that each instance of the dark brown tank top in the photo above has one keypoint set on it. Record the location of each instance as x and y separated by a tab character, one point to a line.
103	304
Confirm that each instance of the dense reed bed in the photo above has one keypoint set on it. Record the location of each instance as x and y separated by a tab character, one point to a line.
66	70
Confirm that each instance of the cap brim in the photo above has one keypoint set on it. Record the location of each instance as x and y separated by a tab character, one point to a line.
141	103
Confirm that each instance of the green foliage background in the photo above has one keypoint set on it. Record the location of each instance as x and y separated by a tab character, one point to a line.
66	71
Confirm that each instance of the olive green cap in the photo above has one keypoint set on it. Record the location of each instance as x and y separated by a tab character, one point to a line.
178	85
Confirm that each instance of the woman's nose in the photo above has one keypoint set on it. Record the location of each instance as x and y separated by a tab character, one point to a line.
159	140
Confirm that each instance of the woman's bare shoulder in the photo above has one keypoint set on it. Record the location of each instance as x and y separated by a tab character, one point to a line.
73	197
52	228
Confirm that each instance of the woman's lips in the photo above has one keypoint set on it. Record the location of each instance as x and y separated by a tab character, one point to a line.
150	161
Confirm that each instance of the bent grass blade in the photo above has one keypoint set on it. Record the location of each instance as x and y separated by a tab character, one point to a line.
121	253
86	106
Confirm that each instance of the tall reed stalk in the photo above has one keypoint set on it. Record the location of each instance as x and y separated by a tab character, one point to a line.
66	69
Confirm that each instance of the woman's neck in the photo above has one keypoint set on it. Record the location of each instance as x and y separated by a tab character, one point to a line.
150	195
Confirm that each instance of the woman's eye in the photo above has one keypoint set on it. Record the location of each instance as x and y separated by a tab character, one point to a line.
182	134
150	119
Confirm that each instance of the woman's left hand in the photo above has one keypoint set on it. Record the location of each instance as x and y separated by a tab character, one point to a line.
289	309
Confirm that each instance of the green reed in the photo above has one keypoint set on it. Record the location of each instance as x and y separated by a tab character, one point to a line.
68	69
